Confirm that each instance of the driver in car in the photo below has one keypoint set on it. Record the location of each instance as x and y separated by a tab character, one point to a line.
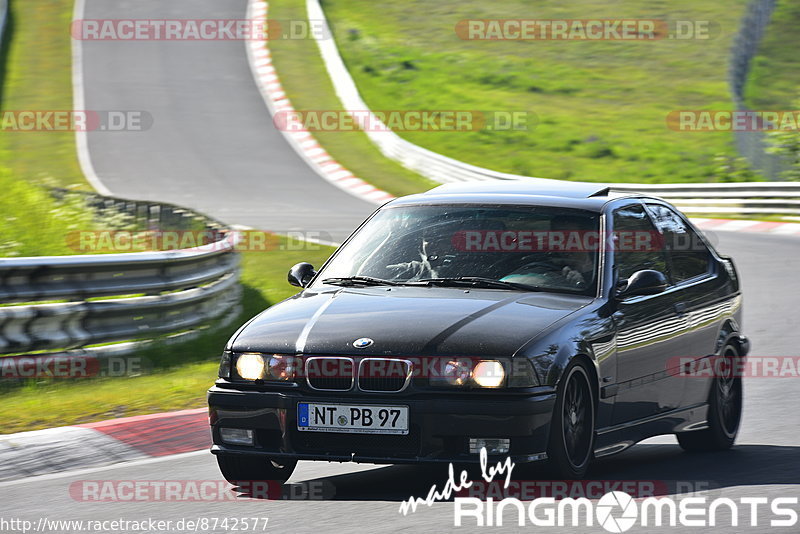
579	264
565	266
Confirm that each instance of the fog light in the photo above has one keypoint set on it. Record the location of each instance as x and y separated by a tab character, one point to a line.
493	445
236	436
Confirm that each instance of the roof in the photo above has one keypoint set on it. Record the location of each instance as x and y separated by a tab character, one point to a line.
533	186
534	191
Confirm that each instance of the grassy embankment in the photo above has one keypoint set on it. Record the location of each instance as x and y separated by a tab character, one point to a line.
601	105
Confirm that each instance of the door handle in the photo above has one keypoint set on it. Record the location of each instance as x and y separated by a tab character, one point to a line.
680	308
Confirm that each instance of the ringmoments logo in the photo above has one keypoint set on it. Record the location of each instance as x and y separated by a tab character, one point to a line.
617	511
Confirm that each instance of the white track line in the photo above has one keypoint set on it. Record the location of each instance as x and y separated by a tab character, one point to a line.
79	104
120	465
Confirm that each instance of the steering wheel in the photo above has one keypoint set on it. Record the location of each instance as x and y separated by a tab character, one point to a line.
544	263
541	267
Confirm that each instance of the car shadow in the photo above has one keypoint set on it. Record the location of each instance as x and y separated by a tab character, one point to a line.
666	465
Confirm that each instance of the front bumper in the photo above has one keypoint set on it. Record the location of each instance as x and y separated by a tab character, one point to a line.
440	426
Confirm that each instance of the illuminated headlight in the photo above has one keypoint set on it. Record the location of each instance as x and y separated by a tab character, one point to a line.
251	366
255	366
489	374
467	372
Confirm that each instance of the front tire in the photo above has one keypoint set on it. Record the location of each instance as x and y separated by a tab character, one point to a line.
236	468
571	446
724	410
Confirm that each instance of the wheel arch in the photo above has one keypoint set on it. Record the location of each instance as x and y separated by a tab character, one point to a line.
591	365
729	333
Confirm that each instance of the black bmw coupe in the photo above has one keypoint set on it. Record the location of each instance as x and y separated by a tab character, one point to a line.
548	321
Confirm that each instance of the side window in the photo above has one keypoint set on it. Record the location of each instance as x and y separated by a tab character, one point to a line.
688	254
637	245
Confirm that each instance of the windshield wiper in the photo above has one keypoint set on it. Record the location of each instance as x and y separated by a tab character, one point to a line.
358	281
477	281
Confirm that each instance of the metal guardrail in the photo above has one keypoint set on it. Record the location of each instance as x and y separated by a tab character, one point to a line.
118	297
721	198
726	198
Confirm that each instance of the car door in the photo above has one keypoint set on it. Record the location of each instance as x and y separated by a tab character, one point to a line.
649	328
703	301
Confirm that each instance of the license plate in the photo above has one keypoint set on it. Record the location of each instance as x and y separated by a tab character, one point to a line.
356	419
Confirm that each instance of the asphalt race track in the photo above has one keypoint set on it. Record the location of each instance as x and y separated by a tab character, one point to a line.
213	148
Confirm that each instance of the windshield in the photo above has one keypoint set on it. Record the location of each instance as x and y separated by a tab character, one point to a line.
523	247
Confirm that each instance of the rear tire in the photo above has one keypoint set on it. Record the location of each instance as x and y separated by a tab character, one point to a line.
724	411
238	468
571	446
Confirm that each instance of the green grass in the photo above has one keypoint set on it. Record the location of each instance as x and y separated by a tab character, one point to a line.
36	406
601	106
303	76
774	81
33	223
176	376
38	76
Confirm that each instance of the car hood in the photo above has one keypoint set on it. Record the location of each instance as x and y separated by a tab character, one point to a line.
405	321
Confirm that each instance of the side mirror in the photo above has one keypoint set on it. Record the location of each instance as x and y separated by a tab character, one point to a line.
301	274
646	282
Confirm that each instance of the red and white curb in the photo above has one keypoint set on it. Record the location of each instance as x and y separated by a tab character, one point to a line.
67	448
300	139
747	226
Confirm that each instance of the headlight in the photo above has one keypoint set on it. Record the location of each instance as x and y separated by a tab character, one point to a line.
250	366
456	372
282	367
489	374
255	366
465	372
